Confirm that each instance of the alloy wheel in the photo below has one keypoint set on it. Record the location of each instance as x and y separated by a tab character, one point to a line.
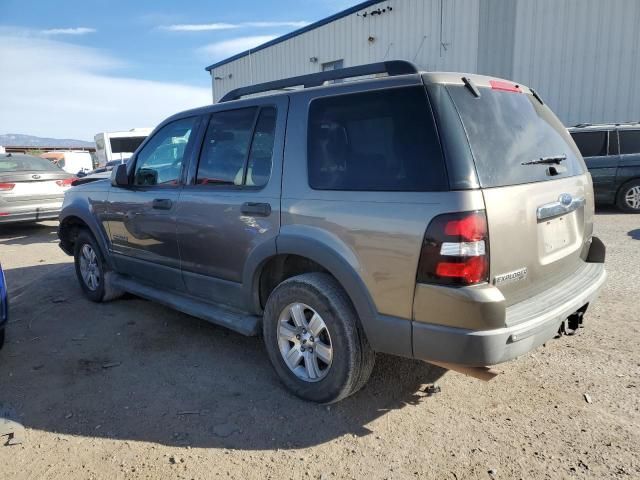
304	342
632	197
89	268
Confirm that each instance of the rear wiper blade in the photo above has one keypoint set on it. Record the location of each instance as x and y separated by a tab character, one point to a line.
546	160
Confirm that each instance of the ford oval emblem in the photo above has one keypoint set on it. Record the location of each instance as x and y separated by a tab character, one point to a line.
565	199
35	177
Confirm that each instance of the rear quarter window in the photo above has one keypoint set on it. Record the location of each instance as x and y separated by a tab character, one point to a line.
507	129
591	144
629	141
375	141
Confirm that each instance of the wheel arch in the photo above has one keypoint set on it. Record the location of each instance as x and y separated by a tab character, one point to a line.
385	334
70	221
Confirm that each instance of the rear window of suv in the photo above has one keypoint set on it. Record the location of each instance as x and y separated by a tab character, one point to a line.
507	129
375	141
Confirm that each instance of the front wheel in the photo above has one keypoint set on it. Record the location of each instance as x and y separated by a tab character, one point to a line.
92	271
628	199
314	339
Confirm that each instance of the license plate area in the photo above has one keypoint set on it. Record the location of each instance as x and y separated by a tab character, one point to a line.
557	238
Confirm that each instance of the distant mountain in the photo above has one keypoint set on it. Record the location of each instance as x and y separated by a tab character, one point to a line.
19	140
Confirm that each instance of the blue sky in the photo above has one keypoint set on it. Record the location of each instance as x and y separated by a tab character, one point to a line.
80	67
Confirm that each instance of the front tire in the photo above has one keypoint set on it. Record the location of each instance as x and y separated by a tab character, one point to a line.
628	198
314	339
92	271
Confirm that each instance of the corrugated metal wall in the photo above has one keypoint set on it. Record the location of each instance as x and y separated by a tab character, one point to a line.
411	31
582	56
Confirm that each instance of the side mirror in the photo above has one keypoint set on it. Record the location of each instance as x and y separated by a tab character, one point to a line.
119	176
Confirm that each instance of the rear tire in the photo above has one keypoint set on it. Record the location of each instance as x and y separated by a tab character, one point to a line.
92	271
628	198
334	364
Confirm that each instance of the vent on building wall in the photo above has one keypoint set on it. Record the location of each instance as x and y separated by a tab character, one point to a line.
377	11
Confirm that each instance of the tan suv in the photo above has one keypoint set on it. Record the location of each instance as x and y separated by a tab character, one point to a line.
438	216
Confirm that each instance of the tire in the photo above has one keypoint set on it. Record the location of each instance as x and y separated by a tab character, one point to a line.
100	289
628	197
351	359
2	338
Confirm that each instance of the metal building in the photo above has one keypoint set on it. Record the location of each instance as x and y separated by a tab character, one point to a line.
582	56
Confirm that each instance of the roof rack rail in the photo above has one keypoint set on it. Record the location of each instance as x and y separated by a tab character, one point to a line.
581	125
391	68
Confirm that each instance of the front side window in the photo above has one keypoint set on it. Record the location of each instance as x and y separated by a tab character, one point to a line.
591	144
160	161
629	141
374	141
238	148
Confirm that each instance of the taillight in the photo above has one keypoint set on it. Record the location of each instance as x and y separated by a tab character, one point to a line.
455	250
7	186
67	182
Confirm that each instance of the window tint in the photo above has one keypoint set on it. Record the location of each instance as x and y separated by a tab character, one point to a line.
376	141
259	168
160	161
17	162
591	144
225	149
507	131
629	141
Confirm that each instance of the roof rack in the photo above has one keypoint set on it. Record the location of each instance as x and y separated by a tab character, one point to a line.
391	68
582	125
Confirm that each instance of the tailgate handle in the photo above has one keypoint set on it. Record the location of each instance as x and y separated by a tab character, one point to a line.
565	204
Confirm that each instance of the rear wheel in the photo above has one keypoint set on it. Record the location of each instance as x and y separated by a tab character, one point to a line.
92	271
628	199
314	339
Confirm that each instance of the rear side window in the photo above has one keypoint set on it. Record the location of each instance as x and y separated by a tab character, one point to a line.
376	141
238	148
507	129
629	141
591	144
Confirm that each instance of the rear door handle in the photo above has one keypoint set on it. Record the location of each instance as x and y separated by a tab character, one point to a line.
253	208
162	204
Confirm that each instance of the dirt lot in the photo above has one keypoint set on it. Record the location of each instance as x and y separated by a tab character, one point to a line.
131	389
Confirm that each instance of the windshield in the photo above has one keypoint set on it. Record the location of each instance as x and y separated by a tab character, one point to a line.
18	163
507	130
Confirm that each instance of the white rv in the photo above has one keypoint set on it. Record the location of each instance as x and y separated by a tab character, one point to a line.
118	145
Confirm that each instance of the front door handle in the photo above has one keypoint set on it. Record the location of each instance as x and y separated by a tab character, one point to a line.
162	204
258	209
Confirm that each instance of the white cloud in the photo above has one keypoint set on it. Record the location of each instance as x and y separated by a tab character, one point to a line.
57	89
68	31
201	27
227	48
299	24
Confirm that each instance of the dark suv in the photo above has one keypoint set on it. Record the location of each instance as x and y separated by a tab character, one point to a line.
612	155
437	216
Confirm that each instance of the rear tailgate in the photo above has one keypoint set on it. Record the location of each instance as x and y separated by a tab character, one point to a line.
538	196
29	187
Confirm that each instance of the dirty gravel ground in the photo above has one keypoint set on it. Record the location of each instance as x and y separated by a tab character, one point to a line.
133	390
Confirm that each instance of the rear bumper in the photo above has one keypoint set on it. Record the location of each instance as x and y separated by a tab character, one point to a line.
31	214
529	324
